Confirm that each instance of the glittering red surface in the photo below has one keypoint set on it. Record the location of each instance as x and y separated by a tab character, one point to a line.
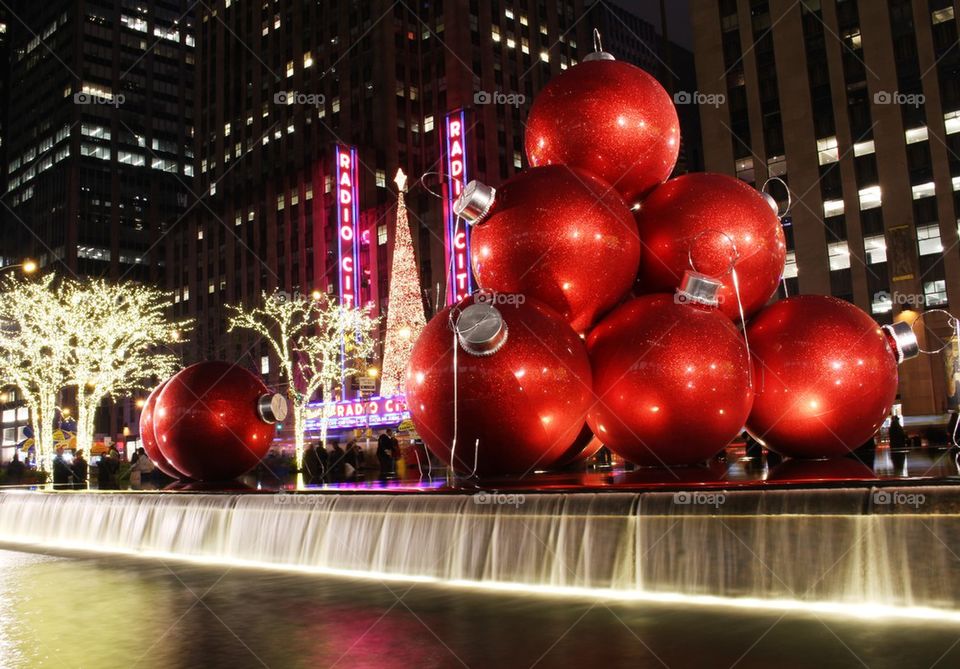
585	447
561	236
610	118
149	439
826	377
711	214
524	405
672	381
206	421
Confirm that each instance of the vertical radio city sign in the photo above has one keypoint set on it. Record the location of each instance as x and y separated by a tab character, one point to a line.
457	237
347	225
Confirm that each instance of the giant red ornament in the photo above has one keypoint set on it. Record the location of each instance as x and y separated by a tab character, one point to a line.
826	375
521	390
557	234
671	380
147	435
609	118
711	219
215	421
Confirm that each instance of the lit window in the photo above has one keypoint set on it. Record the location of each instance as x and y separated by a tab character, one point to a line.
863	148
199	233
265	364
951	122
508	13
777	166
935	293
307	60
381	235
923	190
941	15
290	68
875	248
428	124
832	208
495	34
928	239
226	129
381	179
914	135
870	197
745	169
839	255
790	270
881	304
335	105
512	43
544	56
827	150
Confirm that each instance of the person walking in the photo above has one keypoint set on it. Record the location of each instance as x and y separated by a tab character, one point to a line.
338	463
15	470
107	468
354	460
313	465
140	464
387	453
62	474
898	437
79	471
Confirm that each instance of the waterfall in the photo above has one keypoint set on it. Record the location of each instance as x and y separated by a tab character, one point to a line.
835	546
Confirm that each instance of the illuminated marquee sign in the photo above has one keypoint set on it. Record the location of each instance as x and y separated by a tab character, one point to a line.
347	214
349	414
456	239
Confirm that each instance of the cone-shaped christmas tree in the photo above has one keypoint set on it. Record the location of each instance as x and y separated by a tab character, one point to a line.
405	319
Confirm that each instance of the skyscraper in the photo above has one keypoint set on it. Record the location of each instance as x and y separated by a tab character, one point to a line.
99	142
857	106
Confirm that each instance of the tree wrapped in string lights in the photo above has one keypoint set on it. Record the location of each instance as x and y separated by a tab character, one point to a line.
405	318
318	342
35	353
119	341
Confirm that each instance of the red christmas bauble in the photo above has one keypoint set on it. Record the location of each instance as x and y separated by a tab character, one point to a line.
711	219
825	377
672	381
522	387
147	435
583	448
215	421
610	118
558	235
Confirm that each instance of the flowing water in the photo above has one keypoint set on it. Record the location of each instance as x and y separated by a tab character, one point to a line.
827	547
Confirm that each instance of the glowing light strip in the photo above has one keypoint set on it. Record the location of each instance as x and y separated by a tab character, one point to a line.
348	247
865	611
456	243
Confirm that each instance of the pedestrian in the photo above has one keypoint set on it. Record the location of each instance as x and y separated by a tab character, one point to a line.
354	459
313	465
79	471
107	468
61	471
898	437
387	453
338	463
15	470
140	464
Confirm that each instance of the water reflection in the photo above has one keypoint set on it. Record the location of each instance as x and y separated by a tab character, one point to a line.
83	611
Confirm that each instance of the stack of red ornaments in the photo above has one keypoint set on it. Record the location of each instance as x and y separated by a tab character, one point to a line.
614	300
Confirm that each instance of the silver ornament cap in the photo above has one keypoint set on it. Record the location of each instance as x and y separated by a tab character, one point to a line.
597	55
473	204
903	340
699	288
481	329
272	408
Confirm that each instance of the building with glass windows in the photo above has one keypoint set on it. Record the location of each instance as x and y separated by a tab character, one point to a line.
856	105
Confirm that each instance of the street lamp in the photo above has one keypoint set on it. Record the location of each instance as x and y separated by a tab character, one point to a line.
28	266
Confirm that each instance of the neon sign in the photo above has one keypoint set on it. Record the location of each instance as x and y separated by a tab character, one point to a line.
347	233
457	238
357	413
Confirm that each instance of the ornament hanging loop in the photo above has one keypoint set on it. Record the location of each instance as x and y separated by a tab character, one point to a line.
598	52
423	184
774	203
597	43
952	322
693	244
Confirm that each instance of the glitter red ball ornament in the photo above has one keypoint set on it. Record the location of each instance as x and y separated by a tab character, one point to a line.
521	392
557	234
672	381
609	118
825	375
149	439
215	421
716	221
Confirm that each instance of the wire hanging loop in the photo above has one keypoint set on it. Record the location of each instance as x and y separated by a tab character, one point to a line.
952	322
597	43
765	189
423	184
735	256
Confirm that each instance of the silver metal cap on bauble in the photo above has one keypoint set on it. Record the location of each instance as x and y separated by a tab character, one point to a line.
272	408
903	340
699	289
481	329
597	55
474	202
